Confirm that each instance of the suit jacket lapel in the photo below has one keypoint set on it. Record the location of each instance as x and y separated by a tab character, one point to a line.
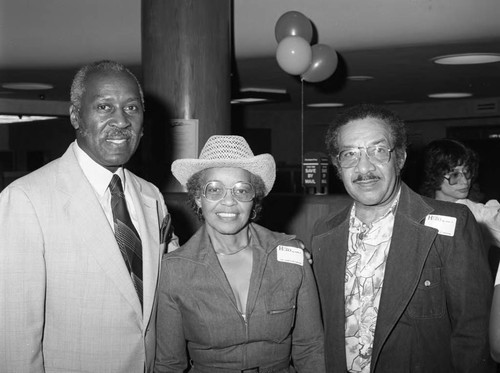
147	215
329	262
93	229
410	245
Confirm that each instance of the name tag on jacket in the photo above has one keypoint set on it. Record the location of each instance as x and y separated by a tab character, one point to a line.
290	254
444	224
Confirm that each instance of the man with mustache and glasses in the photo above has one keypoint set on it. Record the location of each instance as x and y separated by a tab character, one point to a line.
404	283
81	241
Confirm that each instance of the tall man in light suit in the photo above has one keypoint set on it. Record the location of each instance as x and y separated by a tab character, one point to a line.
70	300
404	280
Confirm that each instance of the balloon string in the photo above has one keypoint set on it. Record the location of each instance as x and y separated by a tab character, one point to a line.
302	128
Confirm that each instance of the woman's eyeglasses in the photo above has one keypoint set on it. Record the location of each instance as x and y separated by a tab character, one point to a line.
454	177
215	191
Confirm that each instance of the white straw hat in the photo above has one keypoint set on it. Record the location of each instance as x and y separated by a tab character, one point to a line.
227	151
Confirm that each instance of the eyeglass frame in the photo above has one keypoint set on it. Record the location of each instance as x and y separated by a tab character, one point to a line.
359	148
448	176
204	190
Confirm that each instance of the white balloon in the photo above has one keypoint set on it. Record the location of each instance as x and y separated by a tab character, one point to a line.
294	55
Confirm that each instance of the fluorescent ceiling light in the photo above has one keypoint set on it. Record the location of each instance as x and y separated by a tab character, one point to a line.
5	119
326	104
253	95
466	58
264	90
28	86
450	95
359	78
248	100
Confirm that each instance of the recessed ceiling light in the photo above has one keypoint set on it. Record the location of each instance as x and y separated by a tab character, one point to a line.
27	86
359	78
467	58
450	95
326	104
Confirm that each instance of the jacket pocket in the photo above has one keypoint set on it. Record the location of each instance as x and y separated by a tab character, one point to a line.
428	300
280	318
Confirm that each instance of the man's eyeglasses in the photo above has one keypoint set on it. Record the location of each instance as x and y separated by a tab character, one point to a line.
454	177
215	191
377	153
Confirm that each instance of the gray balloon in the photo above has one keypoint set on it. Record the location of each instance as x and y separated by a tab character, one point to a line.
323	64
293	23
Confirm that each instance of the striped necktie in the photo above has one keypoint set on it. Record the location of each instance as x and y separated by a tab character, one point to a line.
126	235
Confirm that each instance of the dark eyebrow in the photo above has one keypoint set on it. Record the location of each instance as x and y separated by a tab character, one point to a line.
383	141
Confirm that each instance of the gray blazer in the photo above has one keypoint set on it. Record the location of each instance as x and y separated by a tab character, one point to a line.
68	303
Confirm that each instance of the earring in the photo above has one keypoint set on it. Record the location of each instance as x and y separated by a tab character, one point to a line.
254	214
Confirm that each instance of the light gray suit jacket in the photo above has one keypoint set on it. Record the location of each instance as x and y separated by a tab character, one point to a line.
68	303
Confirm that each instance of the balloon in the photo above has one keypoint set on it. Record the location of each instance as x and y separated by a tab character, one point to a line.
323	65
294	55
293	24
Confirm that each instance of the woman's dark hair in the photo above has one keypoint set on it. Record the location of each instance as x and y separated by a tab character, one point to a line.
196	183
442	156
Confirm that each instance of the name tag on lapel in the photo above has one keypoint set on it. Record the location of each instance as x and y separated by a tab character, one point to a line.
444	224
290	254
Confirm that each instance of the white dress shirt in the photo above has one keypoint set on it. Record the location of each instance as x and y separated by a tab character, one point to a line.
99	177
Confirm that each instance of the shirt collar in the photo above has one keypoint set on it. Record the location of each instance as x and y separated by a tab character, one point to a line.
355	222
98	176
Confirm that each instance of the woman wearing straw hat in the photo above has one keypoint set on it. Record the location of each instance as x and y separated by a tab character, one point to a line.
236	297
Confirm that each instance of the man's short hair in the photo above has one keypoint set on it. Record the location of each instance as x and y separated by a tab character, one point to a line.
394	123
440	157
79	81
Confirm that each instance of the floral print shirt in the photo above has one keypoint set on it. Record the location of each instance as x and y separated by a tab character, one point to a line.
368	249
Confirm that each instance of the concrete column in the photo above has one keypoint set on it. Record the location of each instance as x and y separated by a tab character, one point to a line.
186	67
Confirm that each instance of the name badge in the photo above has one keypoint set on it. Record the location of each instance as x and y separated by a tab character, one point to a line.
444	224
290	254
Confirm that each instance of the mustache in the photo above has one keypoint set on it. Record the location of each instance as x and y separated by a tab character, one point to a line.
119	133
366	177
111	133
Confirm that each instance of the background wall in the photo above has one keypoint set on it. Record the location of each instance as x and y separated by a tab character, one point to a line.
465	120
25	147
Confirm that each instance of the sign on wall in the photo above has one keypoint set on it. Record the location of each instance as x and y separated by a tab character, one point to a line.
315	172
